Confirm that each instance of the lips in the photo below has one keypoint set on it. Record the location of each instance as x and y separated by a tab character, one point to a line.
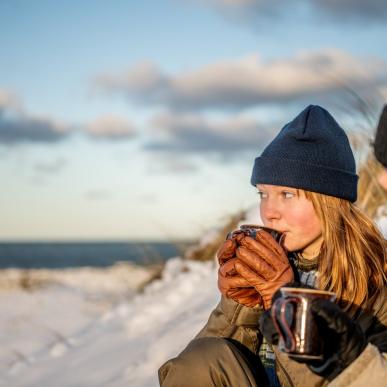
282	239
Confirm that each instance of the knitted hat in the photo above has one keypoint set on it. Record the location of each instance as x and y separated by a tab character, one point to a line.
380	144
312	152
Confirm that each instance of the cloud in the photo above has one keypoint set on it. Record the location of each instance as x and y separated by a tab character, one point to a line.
20	129
50	167
169	163
181	166
337	11
249	81
110	127
8	100
340	10
144	82
190	133
17	126
98	195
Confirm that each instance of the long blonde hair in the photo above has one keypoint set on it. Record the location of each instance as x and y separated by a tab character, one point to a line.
352	260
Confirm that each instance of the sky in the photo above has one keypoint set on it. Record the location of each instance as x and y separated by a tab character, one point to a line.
141	120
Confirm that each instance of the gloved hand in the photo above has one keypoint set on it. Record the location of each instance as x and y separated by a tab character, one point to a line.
343	338
343	335
264	264
228	249
230	283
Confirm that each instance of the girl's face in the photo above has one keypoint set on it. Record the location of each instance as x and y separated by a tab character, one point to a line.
289	211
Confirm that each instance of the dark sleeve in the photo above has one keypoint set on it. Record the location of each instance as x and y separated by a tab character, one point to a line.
374	323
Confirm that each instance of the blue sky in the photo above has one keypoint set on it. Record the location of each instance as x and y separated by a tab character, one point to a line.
140	120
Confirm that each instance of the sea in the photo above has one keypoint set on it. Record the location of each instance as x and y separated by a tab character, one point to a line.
61	255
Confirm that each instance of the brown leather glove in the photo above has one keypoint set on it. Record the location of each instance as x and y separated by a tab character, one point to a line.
230	283
264	264
228	249
234	286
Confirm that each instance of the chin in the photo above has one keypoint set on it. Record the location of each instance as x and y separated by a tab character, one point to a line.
290	249
291	246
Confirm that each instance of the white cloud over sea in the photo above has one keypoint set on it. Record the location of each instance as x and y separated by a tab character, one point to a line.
197	133
19	126
249	81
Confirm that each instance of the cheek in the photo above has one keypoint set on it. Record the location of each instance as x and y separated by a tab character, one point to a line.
261	212
304	227
301	220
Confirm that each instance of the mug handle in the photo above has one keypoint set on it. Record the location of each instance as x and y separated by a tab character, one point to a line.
281	324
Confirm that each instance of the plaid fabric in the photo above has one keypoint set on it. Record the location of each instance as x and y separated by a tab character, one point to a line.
267	358
307	273
266	354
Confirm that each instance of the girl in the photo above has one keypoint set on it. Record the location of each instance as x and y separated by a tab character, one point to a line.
307	182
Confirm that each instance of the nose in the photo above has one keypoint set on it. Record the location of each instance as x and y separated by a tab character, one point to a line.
269	211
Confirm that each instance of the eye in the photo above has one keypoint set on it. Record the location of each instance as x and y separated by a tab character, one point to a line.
288	195
262	195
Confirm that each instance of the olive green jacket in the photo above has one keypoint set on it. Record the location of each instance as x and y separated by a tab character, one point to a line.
232	320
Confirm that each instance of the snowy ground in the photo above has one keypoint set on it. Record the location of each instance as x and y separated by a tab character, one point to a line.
58	337
75	332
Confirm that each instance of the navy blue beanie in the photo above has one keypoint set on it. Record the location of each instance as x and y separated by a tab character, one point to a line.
312	153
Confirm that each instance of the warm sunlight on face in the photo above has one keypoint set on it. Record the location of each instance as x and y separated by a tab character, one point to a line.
288	210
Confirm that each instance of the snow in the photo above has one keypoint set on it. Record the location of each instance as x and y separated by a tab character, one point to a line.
84	329
59	336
